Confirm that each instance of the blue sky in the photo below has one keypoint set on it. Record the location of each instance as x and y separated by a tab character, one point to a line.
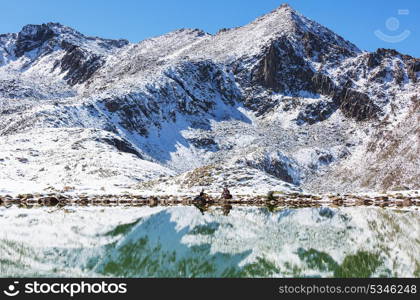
355	20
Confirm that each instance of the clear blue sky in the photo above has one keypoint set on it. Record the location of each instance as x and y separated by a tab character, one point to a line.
355	20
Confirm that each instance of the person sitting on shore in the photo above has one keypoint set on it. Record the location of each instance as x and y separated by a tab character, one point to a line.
201	198
226	195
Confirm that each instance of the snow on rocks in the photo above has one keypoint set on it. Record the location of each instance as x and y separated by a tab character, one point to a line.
282	103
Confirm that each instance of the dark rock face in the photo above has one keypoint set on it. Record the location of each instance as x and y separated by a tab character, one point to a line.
373	60
352	103
79	61
325	159
192	89
109	44
323	51
79	64
282	70
277	169
260	105
14	89
122	146
204	143
112	106
323	85
278	166
266	74
312	45
356	105
32	37
133	110
409	66
214	81
316	112
413	68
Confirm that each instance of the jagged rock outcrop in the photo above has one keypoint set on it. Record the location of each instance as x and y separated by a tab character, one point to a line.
282	98
276	164
316	112
121	145
275	71
414	69
78	64
32	37
356	105
82	55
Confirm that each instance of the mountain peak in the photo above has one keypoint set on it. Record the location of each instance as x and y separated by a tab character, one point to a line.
284	12
285	7
50	29
282	99
51	34
285	20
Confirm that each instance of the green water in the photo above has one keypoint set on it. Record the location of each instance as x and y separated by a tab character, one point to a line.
183	242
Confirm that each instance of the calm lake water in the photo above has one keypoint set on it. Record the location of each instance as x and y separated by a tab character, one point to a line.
181	241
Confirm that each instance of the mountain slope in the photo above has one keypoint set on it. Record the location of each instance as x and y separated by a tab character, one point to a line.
281	103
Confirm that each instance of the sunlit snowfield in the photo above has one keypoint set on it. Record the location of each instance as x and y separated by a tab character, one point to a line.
182	242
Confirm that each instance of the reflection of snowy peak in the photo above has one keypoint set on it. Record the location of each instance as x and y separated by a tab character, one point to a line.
281	98
182	242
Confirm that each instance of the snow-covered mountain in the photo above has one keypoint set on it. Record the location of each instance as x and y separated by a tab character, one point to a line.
281	103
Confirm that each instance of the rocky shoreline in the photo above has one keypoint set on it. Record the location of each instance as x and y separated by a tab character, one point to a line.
203	201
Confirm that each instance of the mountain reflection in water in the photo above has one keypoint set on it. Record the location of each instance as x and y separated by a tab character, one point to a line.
186	241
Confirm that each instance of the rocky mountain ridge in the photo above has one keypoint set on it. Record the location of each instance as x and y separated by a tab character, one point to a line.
282	103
